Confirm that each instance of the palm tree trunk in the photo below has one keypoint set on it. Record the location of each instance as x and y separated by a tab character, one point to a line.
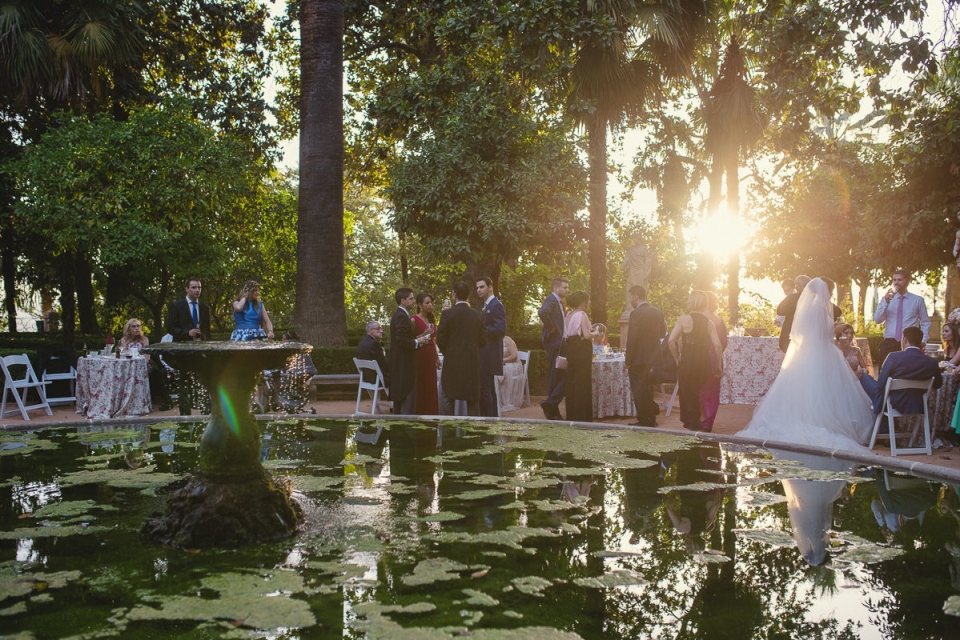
597	237
733	264
320	311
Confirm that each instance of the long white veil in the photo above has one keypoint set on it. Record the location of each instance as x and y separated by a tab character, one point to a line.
815	399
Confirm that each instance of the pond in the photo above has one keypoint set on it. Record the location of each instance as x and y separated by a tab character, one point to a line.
488	530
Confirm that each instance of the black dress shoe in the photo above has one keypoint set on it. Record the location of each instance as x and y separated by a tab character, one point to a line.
550	411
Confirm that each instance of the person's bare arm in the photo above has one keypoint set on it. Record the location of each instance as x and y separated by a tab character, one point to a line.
266	322
674	340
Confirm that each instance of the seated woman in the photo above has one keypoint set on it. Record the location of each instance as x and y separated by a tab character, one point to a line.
133	339
951	343
600	339
846	342
511	382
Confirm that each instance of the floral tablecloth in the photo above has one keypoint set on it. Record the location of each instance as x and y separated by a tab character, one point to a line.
611	388
941	402
750	365
112	387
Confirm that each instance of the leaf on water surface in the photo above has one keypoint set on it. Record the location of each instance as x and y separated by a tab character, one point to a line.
17	444
762	498
495	554
338	568
710	556
379	626
12	482
360	500
612	553
573	472
70	509
615	578
440	516
531	585
142	478
100	436
434	570
554	505
513	614
15	610
516	504
367	608
952	606
250	597
566	527
312	427
456	473
698	486
533	483
510	537
16	585
773	537
480	494
282	464
316	483
479	574
360	458
50	532
869	554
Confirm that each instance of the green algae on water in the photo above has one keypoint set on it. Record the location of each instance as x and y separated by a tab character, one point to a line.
615	578
440	516
50	532
531	585
70	509
142	478
480	599
434	570
772	537
22	444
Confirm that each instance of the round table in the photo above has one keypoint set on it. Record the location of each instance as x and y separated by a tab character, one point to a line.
611	387
112	387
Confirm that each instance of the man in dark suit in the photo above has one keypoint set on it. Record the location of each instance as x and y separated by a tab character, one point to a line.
461	335
911	364
551	316
370	348
647	328
189	319
403	357
491	354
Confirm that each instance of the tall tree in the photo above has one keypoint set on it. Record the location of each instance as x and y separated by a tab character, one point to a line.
320	313
622	58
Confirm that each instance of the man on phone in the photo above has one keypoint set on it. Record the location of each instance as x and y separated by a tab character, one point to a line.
898	310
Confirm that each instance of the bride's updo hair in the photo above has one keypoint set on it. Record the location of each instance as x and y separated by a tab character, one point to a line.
698	302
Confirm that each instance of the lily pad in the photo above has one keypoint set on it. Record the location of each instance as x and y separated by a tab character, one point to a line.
531	585
952	606
50	532
316	483
480	494
70	509
615	578
869	554
440	516
434	570
762	498
710	556
772	537
480	599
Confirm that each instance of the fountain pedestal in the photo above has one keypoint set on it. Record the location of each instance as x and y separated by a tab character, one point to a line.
231	500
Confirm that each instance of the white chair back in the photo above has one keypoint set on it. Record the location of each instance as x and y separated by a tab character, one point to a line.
19	387
887	410
374	387
70	376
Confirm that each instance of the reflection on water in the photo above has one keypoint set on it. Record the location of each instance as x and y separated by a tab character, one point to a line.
452	529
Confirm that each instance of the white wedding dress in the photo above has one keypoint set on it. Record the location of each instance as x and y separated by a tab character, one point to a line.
815	400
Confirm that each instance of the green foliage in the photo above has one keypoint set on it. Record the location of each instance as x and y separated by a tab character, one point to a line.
155	199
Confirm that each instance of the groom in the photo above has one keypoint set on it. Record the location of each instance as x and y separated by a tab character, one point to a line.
911	364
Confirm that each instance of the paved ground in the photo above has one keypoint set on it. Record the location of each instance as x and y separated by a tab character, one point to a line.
730	419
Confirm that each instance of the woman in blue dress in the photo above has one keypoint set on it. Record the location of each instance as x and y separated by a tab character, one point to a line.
253	321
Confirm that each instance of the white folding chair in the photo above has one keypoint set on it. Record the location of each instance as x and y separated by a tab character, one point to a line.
496	393
673	396
70	376
20	386
374	387
886	409
524	357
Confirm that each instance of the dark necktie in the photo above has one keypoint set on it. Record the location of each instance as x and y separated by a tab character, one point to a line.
196	315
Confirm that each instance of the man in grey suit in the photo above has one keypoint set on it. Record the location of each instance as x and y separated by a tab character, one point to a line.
647	328
460	337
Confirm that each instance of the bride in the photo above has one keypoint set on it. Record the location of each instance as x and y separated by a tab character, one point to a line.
815	400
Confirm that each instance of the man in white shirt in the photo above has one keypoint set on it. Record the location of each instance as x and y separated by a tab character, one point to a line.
898	310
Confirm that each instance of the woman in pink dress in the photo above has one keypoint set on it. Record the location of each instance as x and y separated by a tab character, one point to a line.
427	359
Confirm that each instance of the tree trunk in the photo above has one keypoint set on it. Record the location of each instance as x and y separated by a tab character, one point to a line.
87	311
320	311
597	236
10	288
733	263
861	317
68	304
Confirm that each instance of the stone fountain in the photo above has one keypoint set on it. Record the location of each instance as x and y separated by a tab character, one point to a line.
231	499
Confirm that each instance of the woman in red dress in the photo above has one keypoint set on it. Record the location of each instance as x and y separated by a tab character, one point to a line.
427	360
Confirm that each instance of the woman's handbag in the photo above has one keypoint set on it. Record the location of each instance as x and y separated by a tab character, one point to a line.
561	362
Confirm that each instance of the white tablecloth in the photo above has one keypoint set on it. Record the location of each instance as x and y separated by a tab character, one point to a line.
113	387
611	388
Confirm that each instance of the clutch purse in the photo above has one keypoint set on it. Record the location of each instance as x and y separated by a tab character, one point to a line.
561	362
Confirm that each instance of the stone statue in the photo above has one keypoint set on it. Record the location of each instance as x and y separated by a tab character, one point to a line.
638	264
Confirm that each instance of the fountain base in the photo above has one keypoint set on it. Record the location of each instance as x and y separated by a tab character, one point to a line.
220	512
